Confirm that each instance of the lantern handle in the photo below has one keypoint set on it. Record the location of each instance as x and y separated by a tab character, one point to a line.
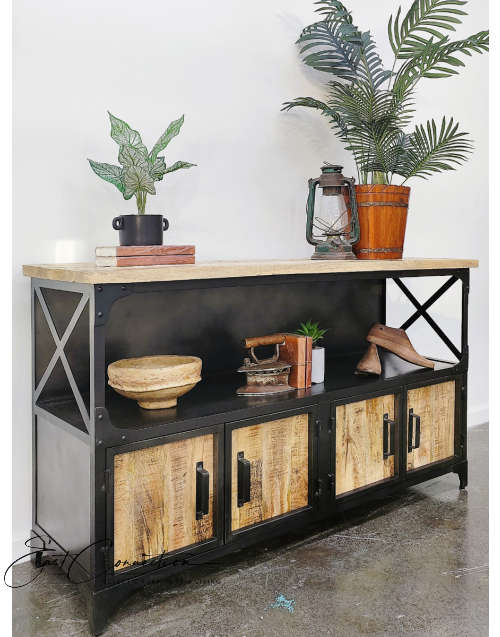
310	211
354	210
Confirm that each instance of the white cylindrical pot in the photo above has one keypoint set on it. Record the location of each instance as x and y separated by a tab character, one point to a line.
318	365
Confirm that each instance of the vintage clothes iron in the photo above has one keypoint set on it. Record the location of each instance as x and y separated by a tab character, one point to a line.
269	376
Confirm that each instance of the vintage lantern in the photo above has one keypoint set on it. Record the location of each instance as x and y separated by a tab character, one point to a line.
329	215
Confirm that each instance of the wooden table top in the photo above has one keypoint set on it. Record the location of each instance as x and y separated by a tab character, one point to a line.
90	273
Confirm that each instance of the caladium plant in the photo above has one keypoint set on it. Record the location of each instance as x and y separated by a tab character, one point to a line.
139	169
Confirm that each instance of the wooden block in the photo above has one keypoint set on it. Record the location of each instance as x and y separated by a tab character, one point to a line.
125	262
297	351
294	351
309	353
298	377
140	251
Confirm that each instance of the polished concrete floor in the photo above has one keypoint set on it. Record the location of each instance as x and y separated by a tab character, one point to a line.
415	564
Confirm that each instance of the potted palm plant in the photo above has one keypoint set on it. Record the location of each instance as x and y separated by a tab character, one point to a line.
136	176
370	107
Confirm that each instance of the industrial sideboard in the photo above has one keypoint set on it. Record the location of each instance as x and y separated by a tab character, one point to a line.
117	493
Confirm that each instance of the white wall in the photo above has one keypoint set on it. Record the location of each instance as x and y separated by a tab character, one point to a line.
228	67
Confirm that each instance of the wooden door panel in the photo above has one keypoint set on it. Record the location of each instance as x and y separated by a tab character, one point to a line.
435	404
155	499
278	452
360	443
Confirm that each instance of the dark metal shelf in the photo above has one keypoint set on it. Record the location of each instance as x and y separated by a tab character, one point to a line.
216	396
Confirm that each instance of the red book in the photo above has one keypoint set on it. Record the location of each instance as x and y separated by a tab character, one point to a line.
297	351
123	262
142	251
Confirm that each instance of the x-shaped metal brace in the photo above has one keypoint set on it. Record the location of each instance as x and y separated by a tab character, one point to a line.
59	352
422	311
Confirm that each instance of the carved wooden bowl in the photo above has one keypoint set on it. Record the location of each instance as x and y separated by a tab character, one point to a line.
155	381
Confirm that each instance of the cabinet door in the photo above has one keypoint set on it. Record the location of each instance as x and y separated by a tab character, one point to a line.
431	422
269	470
165	498
366	442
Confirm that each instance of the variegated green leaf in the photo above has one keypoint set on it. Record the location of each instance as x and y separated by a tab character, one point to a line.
158	168
126	136
130	156
177	165
110	173
172	130
138	179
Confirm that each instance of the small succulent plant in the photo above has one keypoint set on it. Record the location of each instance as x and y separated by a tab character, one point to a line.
311	329
139	169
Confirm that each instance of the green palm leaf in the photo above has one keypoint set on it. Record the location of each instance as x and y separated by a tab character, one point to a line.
428	152
341	52
438	60
424	16
310	102
374	120
369	119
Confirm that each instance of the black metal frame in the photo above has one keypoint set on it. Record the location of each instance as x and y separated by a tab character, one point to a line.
421	310
104	438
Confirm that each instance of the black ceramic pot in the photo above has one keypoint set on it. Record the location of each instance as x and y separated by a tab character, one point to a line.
140	230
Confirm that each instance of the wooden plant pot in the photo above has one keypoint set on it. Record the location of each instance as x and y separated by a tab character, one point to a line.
382	212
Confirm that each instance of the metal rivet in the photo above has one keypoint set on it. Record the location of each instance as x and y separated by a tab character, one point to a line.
99	289
124	287
123	437
100	416
99	313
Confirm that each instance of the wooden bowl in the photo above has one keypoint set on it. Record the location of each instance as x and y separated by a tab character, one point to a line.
155	381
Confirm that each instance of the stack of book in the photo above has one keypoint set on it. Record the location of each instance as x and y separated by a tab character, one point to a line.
297	351
125	256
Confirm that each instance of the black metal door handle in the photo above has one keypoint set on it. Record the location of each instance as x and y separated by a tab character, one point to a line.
412	416
389	436
243	479
202	491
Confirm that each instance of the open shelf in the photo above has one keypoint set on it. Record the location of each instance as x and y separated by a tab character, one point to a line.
216	395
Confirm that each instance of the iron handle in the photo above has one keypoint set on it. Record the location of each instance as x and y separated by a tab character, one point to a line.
310	211
389	436
257	341
243	479
202	490
354	210
412	416
165	224
118	223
